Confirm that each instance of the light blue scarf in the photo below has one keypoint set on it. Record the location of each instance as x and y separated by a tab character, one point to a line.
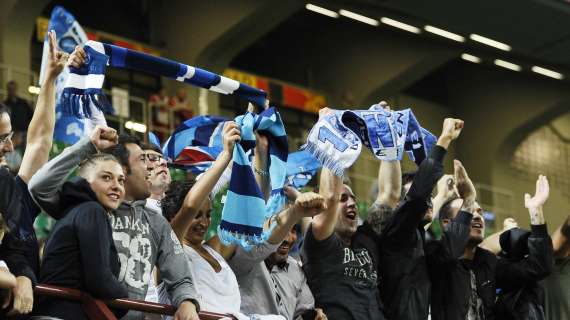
245	209
336	140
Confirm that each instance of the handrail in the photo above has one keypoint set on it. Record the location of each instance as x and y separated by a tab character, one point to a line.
97	309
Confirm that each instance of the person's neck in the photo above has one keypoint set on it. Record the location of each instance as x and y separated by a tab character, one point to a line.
157	196
469	252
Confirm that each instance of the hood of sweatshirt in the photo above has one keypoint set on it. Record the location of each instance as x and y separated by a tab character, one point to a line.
76	191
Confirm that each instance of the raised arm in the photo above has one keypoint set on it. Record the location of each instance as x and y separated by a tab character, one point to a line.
40	130
538	264
261	164
201	190
412	211
561	240
389	179
45	185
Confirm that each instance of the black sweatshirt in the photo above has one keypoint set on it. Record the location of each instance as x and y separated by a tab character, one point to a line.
80	254
405	284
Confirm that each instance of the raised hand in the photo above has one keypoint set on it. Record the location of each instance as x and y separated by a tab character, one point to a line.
446	187
325	112
465	186
56	59
230	135
309	204
104	137
77	57
540	196
450	131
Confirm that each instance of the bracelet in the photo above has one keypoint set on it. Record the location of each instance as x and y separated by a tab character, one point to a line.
261	172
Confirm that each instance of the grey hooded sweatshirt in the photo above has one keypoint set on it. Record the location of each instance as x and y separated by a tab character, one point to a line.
142	236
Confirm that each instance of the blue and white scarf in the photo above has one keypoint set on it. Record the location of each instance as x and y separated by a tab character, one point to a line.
336	140
301	167
84	85
245	209
68	128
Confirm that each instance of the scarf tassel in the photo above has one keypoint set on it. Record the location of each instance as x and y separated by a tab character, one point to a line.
324	158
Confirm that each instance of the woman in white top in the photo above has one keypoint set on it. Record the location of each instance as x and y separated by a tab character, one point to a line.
187	206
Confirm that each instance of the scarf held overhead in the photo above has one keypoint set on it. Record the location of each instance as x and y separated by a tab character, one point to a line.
84	86
336	140
245	209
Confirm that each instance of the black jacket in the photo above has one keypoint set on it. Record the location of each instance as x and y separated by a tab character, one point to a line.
451	288
404	283
80	254
19	247
519	271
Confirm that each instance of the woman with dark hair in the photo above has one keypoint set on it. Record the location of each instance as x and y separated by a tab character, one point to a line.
80	252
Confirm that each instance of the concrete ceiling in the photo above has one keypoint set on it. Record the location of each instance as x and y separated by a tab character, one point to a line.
536	29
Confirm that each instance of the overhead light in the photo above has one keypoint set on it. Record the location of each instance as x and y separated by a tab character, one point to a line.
507	65
34	90
548	73
358	17
138	127
321	10
445	34
470	58
490	42
399	25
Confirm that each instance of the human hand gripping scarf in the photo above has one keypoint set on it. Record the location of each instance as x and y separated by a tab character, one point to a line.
336	140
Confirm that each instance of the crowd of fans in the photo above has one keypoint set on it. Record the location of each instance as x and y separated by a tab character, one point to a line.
126	230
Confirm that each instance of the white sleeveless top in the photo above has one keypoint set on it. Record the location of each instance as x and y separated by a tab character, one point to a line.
217	291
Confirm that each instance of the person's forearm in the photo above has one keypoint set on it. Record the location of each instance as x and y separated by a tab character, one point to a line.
40	133
284	221
261	164
42	124
46	183
198	195
429	172
389	183
536	216
330	188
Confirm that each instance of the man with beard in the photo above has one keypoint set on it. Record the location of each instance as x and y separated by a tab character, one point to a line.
405	283
464	288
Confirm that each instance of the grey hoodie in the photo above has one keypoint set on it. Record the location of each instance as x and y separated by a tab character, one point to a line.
142	236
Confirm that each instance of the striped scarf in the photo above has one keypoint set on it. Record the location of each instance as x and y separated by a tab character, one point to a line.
336	140
245	209
84	85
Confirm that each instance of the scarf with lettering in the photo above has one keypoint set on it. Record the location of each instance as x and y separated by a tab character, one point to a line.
336	140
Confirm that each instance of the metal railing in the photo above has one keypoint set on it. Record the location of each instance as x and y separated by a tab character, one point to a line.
99	310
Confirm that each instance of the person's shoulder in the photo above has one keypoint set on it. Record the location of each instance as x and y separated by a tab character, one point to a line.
486	255
87	208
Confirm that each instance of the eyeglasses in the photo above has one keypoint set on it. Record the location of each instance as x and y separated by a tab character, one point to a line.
6	137
153	157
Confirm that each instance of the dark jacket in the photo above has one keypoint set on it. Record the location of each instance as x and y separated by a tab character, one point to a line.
80	254
451	286
19	247
451	282
526	258
405	284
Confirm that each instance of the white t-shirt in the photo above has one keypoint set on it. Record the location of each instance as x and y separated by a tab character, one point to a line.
217	291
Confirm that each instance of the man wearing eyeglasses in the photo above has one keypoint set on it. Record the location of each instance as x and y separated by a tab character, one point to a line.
159	178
